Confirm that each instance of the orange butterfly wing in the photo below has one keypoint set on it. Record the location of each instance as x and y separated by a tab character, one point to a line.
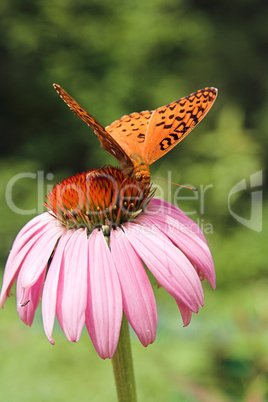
130	131
171	123
151	134
108	143
139	139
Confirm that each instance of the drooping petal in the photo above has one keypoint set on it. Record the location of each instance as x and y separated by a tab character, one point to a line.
138	298
164	208
72	287
36	229
28	299
168	264
38	256
104	310
186	313
49	297
31	228
192	246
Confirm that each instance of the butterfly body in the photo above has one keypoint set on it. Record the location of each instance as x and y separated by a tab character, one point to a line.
139	139
140	170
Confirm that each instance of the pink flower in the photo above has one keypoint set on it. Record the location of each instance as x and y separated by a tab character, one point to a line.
85	258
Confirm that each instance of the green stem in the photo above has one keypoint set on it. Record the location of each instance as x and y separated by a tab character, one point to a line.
123	366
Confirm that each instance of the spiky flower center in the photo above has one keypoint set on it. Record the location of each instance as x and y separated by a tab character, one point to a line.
102	198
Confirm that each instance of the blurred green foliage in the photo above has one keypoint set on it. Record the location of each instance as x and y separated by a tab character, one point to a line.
116	58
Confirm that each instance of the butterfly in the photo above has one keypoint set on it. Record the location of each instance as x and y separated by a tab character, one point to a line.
139	139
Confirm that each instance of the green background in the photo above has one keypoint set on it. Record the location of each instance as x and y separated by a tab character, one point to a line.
117	57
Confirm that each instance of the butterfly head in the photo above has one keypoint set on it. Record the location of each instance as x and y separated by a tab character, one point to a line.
141	174
140	169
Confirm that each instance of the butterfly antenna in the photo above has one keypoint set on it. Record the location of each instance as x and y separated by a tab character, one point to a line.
175	184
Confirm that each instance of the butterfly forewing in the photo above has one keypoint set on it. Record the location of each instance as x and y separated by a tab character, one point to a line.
171	123
108	143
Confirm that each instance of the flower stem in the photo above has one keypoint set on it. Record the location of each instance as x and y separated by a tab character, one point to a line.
123	366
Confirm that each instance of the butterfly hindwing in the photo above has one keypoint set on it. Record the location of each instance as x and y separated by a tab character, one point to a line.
171	123
130	131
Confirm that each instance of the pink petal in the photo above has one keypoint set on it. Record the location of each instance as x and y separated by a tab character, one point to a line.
186	313
72	288
34	226
138	298
104	310
192	246
38	256
28	299
161	207
167	263
51	286
22	245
